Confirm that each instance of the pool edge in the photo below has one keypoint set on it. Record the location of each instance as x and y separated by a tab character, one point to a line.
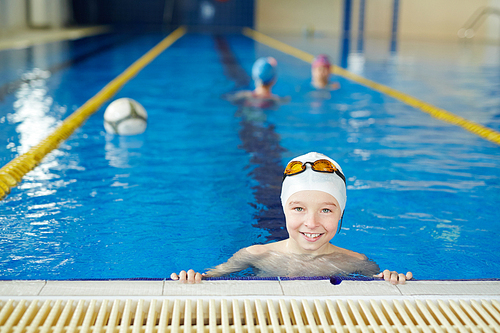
236	288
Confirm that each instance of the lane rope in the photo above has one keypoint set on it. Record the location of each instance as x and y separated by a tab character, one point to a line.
441	114
12	173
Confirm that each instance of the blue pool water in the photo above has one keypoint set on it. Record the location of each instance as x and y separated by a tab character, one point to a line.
203	180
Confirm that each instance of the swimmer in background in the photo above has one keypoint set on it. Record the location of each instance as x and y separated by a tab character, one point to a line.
264	72
320	72
264	75
313	196
320	88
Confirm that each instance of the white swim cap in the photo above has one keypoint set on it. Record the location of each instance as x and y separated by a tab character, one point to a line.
330	183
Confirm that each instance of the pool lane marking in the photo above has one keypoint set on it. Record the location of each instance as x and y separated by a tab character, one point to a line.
441	114
12	173
262	143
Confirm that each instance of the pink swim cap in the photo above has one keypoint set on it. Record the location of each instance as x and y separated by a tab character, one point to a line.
321	60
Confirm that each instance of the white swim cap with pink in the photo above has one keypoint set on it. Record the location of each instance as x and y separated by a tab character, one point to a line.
330	183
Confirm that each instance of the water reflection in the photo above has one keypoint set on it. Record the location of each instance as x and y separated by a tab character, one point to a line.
447	232
260	140
120	149
29	75
451	186
31	110
356	63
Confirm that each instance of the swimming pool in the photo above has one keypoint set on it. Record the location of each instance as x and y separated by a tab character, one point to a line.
203	180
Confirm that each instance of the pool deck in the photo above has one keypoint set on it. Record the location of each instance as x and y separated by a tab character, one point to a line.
29	37
249	306
464	289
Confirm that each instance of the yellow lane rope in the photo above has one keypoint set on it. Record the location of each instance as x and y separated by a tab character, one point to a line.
12	173
435	112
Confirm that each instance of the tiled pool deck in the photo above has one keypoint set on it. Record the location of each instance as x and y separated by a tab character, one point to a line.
249	306
263	288
29	37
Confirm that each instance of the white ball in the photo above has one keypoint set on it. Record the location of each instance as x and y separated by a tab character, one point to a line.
125	116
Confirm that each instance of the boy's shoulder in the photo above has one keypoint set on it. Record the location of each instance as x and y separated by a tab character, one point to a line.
356	255
278	247
264	248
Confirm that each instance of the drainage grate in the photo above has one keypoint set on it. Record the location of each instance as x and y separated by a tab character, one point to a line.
259	316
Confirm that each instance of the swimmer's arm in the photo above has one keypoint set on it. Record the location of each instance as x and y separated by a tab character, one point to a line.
369	267
237	96
230	266
388	275
241	260
360	264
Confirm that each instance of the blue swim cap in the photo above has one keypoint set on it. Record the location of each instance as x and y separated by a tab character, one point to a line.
264	70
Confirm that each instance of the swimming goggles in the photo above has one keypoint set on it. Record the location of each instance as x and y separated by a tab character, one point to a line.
323	165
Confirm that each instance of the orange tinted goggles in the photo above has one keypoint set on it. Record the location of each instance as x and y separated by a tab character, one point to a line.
296	167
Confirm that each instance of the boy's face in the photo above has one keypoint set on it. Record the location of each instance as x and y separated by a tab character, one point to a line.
311	220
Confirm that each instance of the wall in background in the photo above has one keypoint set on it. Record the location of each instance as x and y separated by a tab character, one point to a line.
442	19
422	19
493	23
296	16
222	13
202	13
12	15
16	15
49	13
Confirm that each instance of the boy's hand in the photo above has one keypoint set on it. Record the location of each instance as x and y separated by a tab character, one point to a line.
394	277
187	277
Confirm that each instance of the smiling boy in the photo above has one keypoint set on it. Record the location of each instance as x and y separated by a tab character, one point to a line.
313	196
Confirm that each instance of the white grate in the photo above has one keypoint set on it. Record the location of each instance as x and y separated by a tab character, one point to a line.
259	316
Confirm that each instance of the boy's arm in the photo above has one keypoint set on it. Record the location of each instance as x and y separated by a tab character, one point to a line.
369	268
239	261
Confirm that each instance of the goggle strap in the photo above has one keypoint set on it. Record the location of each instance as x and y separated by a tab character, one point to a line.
340	225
